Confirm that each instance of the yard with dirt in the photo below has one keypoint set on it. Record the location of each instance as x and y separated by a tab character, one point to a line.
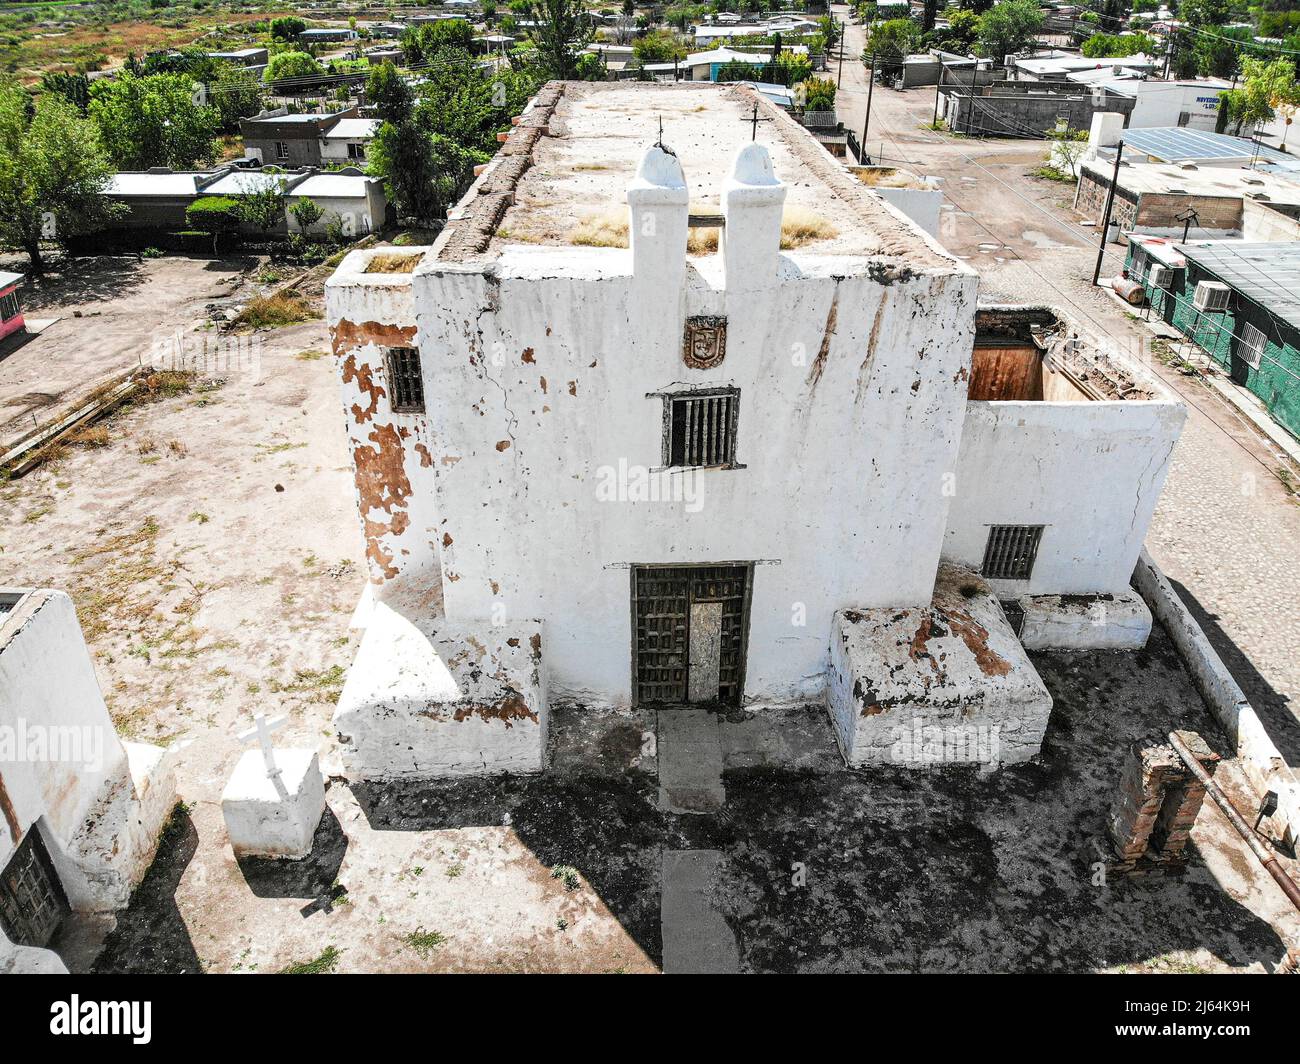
208	535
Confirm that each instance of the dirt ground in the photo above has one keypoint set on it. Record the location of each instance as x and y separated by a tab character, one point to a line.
943	870
110	314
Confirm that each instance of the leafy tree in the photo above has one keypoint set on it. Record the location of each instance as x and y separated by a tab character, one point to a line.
53	173
287	28
306	212
292	65
891	41
560	30
75	88
156	120
929	13
819	94
658	46
263	207
590	68
422	172
218	215
235	93
389	93
1008	26
961	34
422	44
1114	46
1267	88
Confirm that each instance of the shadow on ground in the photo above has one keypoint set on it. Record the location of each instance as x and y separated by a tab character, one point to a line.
151	935
826	869
1272	705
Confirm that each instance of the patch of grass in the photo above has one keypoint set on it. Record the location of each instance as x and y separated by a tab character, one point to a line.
800	226
405	262
425	942
1050	173
607	229
265	450
274	311
567	873
309	355
199	518
312	681
321	965
35	515
91	436
454	871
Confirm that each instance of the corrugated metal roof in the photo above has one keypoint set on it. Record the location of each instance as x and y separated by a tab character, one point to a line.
354	129
1267	274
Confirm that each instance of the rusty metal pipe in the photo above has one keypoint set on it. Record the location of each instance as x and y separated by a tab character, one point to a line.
1262	854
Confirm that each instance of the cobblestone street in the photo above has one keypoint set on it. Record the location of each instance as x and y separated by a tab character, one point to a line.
1227	530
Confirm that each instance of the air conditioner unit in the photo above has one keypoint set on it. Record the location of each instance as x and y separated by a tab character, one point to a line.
1160	277
1211	296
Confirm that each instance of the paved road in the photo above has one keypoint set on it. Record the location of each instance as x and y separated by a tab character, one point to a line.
1226	531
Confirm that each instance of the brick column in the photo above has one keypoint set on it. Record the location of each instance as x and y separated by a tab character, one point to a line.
1152	816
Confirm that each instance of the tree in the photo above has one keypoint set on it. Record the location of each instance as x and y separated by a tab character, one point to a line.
287	28
1008	27
891	41
235	93
560	30
75	88
53	173
306	212
388	92
263	206
421	44
156	120
422	172
929	13
1115	46
658	46
292	65
961	34
1267	88
218	215
818	94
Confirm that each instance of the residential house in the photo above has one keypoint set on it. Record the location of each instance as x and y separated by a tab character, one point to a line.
279	138
1237	300
346	141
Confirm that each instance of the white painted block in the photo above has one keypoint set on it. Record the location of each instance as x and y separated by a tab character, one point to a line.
270	818
1085	622
948	683
427	698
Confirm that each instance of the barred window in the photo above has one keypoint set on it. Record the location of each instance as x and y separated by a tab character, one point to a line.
1010	551
8	306
405	380
700	428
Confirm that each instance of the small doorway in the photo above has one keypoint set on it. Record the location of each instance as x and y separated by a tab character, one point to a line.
32	902
690	631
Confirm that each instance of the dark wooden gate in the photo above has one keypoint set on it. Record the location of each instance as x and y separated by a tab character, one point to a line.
32	902
662	600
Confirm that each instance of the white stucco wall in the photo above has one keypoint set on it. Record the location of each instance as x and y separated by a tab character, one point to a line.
1091	472
47	681
540	368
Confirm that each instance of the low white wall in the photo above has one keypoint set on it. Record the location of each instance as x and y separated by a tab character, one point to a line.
1090	472
49	694
921	205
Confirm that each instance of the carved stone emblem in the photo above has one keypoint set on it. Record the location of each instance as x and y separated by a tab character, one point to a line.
705	345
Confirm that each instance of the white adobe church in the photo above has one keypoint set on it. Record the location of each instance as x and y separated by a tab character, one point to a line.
759	455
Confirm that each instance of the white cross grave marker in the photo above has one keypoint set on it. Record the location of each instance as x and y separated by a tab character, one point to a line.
261	731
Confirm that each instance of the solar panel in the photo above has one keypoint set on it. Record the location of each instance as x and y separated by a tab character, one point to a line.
1267	273
1175	144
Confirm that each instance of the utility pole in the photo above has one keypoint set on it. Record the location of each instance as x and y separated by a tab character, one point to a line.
1110	202
871	85
942	70
839	78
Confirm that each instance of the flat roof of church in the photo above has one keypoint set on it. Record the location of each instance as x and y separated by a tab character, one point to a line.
561	178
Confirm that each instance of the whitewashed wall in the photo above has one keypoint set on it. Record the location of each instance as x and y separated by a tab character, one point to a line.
1090	471
543	369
